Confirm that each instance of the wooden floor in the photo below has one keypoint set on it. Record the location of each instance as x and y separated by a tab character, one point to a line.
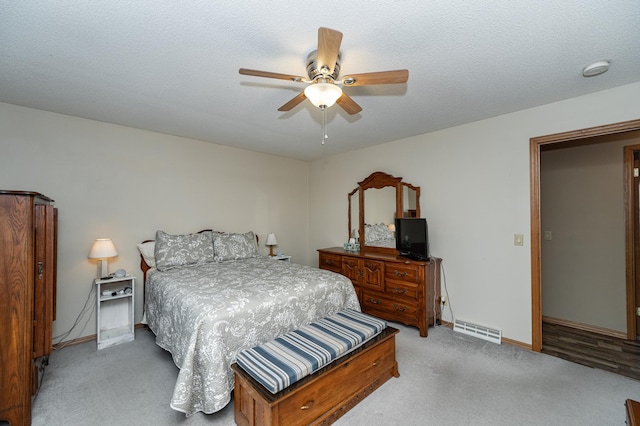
591	349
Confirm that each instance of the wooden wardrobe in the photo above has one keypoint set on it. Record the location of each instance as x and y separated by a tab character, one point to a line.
28	232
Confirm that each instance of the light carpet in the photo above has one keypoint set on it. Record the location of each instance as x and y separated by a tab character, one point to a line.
445	379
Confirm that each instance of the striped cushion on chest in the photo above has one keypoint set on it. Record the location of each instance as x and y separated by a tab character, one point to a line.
286	359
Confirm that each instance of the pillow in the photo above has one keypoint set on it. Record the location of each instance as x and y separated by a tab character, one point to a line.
173	251
148	252
235	246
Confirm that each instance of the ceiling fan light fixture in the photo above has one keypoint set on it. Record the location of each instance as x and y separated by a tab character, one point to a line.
323	93
323	69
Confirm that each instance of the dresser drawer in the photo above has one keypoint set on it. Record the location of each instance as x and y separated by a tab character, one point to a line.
391	308
401	288
331	262
403	271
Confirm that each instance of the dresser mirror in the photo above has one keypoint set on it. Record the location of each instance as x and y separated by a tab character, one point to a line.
354	213
373	206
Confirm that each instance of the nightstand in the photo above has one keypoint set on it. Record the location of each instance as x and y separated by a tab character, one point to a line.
114	310
282	257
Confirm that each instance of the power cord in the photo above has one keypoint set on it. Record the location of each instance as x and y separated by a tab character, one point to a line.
85	310
444	279
41	372
435	291
57	346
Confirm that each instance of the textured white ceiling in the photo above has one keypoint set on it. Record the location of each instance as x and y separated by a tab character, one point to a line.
172	66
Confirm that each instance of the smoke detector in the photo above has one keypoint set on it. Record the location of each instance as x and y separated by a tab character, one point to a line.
596	68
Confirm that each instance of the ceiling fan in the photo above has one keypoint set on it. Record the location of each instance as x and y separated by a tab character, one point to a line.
323	68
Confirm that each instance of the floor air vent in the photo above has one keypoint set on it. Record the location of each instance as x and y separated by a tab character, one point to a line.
478	331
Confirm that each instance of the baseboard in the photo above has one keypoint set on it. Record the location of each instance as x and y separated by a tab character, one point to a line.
446	323
517	343
139	325
585	327
85	339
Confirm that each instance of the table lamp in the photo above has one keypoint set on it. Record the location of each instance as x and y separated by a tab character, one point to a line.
102	249
271	241
392	228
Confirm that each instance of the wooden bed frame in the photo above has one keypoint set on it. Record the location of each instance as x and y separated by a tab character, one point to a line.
323	397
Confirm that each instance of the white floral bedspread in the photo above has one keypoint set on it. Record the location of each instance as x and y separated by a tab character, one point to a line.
206	314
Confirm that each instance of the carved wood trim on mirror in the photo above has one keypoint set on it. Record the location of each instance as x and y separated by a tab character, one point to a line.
380	199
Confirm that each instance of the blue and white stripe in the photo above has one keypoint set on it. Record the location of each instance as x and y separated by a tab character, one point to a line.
286	359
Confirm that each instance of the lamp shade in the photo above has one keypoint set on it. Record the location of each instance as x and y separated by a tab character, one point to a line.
271	240
102	248
322	93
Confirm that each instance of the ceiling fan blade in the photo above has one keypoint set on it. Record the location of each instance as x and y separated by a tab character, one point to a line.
348	104
328	48
267	74
293	102
381	77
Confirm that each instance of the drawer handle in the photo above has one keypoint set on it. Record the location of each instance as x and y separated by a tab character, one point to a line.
399	274
40	270
375	302
307	405
400	290
328	262
399	308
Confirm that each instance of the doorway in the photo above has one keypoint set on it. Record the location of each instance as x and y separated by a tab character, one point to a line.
577	138
632	183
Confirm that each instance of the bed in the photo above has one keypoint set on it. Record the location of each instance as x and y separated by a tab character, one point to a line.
209	295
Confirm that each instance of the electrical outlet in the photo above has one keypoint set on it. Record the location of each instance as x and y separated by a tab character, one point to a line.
444	300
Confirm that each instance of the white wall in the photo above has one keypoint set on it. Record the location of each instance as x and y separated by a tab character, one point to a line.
475	195
124	184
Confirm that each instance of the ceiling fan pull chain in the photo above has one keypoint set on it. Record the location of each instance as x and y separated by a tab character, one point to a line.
325	136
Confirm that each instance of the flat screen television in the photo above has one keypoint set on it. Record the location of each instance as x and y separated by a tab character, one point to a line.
412	238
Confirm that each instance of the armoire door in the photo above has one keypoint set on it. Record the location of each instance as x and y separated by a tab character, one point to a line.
45	231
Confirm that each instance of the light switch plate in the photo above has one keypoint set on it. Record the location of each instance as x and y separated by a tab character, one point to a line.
518	240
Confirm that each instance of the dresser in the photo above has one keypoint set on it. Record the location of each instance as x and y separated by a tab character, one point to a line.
28	228
389	286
